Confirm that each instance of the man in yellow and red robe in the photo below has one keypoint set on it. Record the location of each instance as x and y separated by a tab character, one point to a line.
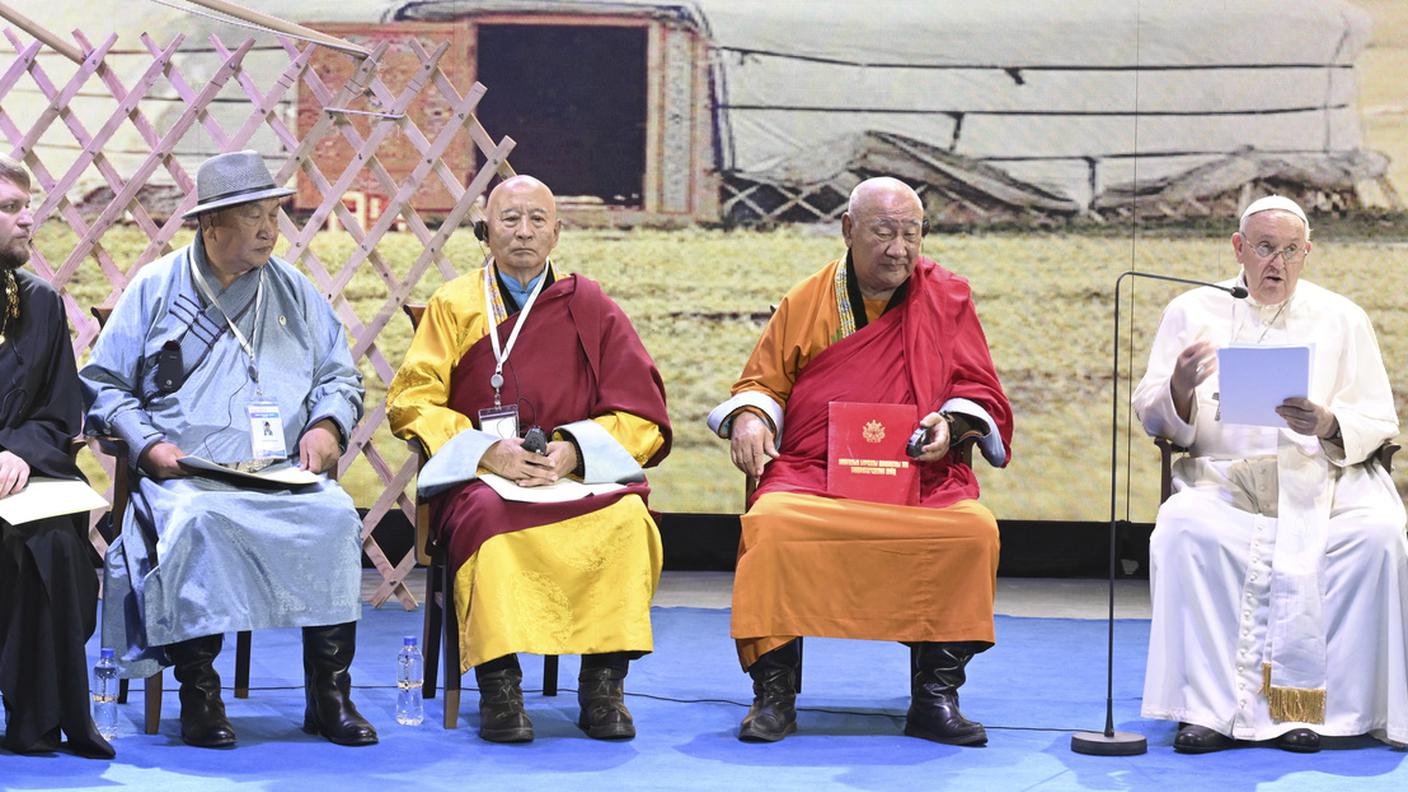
883	325
571	577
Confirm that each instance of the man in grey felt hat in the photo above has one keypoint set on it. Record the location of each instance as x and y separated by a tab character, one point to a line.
207	345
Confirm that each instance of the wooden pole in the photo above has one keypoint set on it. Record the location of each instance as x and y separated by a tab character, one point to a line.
281	26
40	33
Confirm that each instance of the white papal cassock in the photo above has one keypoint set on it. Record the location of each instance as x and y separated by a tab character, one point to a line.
1279	567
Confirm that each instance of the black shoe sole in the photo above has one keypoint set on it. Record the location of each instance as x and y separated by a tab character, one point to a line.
209	744
1199	749
507	736
980	738
311	727
747	734
614	731
1202	749
1301	749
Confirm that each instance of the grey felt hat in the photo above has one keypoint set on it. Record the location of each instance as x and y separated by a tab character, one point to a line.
233	178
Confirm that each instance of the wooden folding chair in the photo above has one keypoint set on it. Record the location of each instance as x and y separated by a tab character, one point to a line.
441	617
1167	451
116	448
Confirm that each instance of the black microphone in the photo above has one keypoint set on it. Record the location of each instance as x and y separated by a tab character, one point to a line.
1110	742
1238	292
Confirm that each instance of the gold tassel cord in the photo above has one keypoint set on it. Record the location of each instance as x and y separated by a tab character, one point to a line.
1295	705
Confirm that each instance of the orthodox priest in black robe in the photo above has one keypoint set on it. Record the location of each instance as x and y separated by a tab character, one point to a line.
48	585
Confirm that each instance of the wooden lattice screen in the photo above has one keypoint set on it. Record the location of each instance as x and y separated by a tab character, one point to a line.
381	114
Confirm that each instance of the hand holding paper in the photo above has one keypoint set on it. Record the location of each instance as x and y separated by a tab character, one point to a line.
14	473
1308	418
1255	381
47	497
276	476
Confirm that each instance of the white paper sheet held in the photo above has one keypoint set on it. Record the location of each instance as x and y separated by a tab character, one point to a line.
1254	380
562	490
47	497
286	475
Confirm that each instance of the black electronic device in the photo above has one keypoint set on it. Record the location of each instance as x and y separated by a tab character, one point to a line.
915	445
536	440
170	374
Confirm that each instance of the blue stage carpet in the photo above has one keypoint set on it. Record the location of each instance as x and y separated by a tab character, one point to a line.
1044	679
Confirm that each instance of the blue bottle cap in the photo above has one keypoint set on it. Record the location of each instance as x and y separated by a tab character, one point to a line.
409	640
105	653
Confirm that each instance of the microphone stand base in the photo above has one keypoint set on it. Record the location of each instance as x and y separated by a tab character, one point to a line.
1101	744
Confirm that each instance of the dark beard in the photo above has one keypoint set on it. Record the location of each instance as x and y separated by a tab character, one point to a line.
11	260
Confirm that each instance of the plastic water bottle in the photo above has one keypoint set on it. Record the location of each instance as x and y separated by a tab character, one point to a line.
410	675
105	694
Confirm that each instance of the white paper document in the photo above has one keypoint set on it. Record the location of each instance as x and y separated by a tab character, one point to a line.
279	476
559	492
47	497
1254	380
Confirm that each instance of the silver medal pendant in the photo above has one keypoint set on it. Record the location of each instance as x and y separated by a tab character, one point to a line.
496	381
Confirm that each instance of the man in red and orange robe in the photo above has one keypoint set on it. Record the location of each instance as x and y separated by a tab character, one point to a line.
569	577
883	325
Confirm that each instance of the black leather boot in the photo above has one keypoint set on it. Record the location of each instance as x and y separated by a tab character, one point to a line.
327	684
203	721
774	711
501	715
933	709
601	696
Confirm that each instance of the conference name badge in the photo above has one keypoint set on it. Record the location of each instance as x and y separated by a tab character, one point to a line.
501	422
266	429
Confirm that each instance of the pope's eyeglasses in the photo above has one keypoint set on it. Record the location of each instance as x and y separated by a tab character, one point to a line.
1290	253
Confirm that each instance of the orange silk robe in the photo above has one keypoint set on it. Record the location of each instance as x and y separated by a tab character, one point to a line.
815	565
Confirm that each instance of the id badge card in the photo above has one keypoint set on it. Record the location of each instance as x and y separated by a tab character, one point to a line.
266	429
501	422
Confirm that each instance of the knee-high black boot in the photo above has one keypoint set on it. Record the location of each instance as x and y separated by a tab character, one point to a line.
327	683
774	711
501	715
203	721
933	709
601	697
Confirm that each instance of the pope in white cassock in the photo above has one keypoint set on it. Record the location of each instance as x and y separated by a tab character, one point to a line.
1279	567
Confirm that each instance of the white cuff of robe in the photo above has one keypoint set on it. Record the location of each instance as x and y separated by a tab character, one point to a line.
604	460
456	462
990	443
721	417
1359	440
1163	420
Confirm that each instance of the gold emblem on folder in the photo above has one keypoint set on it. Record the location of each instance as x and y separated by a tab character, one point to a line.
873	432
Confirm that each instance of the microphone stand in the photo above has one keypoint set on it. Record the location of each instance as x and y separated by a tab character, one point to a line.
1110	742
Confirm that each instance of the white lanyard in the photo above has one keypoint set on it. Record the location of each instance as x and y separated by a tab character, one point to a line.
501	355
248	346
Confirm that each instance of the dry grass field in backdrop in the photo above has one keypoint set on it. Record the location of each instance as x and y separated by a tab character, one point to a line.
697	298
1044	299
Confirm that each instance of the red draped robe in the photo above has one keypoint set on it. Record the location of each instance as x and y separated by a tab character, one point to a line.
810	564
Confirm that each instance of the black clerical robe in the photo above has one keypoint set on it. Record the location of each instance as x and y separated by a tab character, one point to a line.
48	586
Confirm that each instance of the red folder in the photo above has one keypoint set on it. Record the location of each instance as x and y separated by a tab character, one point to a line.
865	456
